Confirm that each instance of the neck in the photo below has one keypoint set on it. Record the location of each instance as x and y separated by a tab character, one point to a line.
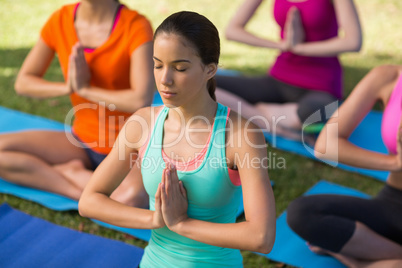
96	11
204	109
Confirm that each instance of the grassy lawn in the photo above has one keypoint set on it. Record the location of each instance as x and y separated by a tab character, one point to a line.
21	21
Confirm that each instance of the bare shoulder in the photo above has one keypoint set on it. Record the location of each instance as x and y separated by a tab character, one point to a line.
138	126
376	84
384	74
147	113
382	80
388	71
243	134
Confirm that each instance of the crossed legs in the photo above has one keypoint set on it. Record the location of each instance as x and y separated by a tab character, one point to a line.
48	161
272	105
356	231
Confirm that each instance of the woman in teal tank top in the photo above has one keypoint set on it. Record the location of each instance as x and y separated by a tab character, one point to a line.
194	154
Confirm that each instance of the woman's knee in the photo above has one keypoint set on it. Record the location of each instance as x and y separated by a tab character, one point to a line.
304	215
299	212
317	102
19	141
6	142
6	146
4	163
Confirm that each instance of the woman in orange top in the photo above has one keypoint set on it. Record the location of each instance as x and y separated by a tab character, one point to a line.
105	52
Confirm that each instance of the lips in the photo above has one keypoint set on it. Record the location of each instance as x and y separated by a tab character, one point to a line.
167	94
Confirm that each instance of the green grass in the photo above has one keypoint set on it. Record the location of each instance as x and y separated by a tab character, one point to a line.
20	23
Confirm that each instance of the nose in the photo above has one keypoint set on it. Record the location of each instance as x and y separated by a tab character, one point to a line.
166	78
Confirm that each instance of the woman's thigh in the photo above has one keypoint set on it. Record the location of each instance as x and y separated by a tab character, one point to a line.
316	101
340	212
54	147
252	89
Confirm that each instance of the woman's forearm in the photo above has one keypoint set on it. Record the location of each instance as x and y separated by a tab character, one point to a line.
126	100
242	235
113	212
353	155
37	87
242	36
343	151
327	48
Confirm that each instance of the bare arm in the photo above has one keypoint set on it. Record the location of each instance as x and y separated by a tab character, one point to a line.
141	79
236	30
95	201
332	143
257	232
351	40
30	80
382	263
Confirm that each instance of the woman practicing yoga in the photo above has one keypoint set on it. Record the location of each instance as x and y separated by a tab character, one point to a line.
194	154
105	52
359	232
306	76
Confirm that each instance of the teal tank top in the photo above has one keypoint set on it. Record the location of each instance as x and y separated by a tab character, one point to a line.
211	196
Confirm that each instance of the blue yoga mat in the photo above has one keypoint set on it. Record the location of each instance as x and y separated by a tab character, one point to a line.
289	248
61	203
11	121
367	135
227	72
27	241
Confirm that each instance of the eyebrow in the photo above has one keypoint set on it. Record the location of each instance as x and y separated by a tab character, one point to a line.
175	61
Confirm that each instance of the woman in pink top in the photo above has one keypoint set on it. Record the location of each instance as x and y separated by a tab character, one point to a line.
306	75
359	232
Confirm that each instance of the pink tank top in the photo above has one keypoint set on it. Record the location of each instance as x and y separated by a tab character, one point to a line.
392	118
315	73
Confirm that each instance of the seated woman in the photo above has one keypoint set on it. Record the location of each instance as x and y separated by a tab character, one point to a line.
193	162
359	232
306	75
105	51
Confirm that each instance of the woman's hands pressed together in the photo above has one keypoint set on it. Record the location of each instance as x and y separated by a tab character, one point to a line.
157	219
171	197
79	74
294	31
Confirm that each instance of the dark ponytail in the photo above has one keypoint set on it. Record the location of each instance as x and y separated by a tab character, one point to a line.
211	88
199	31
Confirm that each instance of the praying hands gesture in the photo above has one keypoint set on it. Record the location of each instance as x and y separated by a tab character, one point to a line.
170	200
294	31
78	70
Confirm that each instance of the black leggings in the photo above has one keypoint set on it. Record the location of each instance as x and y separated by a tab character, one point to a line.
268	89
328	221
